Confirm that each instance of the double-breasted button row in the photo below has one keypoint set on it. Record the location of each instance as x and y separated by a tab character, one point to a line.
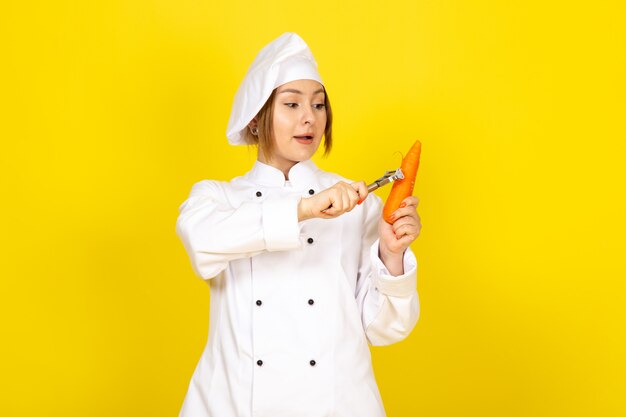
260	303
260	194
310	240
311	362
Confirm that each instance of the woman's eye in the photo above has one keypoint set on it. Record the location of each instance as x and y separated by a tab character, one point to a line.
319	106
291	105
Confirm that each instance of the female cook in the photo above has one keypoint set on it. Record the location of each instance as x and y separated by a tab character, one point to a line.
302	275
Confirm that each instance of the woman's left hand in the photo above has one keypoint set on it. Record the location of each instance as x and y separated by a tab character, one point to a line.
395	238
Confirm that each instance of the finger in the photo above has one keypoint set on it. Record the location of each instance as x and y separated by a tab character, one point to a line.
346	201
410	201
413	230
361	190
330	200
331	203
408	211
404	224
406	240
351	195
339	201
404	221
405	229
354	197
330	212
344	191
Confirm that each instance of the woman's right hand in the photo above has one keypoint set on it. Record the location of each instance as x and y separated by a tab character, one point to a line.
332	202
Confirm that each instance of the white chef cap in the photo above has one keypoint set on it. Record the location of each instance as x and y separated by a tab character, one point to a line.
287	58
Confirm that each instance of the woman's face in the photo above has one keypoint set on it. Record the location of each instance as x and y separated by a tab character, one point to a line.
299	121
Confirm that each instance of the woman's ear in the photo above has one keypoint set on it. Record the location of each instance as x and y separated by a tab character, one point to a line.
254	127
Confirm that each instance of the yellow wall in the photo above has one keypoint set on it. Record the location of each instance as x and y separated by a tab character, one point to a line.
111	110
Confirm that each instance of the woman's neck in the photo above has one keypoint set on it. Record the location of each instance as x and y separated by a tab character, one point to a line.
283	166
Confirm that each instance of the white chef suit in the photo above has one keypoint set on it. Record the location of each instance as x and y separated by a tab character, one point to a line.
293	304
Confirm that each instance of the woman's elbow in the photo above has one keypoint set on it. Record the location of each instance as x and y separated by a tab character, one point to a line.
203	263
396	327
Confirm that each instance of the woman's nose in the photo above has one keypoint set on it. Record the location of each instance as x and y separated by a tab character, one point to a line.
307	116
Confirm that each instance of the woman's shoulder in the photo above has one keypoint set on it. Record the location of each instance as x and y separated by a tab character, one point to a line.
219	188
331	177
215	191
212	185
207	186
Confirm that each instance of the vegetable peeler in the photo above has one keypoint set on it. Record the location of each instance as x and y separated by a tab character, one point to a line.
389	177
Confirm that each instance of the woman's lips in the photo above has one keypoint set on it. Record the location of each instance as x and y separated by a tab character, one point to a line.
304	139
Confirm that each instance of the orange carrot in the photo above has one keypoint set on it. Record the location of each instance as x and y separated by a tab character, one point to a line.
403	188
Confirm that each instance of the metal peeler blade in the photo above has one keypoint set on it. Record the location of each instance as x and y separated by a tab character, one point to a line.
389	177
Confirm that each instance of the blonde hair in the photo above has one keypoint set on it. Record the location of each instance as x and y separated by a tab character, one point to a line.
265	137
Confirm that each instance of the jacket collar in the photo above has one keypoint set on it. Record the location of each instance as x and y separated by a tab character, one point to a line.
300	175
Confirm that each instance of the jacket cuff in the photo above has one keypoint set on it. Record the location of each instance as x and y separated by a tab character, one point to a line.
280	224
398	286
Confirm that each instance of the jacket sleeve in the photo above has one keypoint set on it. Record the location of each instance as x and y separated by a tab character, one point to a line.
214	232
389	304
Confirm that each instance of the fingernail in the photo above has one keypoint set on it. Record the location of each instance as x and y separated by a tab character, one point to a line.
402	205
360	201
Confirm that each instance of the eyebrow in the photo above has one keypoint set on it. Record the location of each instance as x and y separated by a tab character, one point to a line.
293	90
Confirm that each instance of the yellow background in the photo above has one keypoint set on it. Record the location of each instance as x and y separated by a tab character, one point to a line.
111	110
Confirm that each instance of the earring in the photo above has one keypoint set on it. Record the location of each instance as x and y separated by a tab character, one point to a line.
254	131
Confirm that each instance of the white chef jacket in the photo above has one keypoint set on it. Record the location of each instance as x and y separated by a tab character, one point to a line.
293	304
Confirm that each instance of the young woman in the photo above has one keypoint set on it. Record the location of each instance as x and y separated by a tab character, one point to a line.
303	272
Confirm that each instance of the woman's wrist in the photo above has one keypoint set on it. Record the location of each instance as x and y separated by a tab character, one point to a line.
394	262
304	211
